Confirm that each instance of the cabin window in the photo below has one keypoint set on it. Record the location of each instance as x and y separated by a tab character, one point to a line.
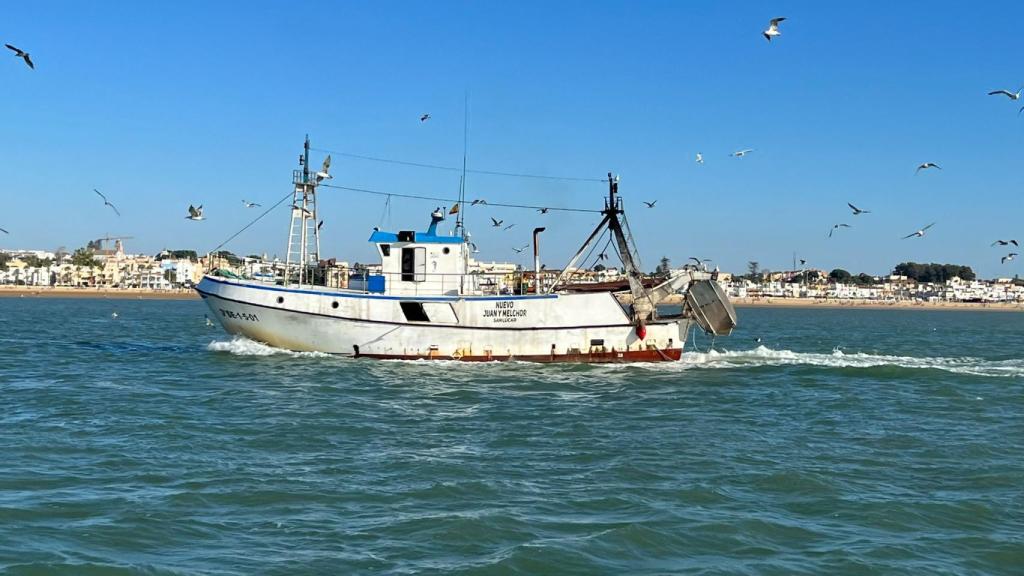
406	236
408	266
385	250
414	264
414	312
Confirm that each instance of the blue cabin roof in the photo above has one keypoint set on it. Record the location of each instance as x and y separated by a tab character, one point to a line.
380	237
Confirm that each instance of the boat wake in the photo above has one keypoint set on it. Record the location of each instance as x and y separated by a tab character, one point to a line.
764	356
241	346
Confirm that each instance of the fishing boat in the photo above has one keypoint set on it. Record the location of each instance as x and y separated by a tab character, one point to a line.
429	299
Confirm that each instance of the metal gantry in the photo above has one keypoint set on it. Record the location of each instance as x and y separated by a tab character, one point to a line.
303	255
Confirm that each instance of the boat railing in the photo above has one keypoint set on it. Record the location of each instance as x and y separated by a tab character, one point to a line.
447	284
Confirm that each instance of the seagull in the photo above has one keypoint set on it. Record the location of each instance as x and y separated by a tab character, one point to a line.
1007	93
208	321
802	261
251	204
741	153
508	227
107	202
475	249
920	232
23	55
478	201
836	227
1008	257
1021	110
927	165
773	28
857	211
1005	242
542	210
323	174
650	204
299	208
425	117
496	223
519	250
4	231
195	213
321	223
113	314
700	158
602	256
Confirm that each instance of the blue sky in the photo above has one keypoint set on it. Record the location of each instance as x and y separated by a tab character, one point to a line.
160	105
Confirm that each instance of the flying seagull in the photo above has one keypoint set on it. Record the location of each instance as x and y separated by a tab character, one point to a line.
1007	258
319	225
920	232
773	28
700	158
650	204
478	201
926	166
195	213
519	250
1005	242
1007	93
509	227
836	227
496	222
542	210
425	117
802	261
857	211
251	204
602	256
324	173
741	153
4	231
23	55
107	202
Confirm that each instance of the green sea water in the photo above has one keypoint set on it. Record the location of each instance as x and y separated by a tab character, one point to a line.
844	442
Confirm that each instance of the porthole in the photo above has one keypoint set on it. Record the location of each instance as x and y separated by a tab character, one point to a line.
280	299
446	250
334	304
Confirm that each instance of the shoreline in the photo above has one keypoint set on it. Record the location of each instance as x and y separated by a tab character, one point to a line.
863	304
829	304
96	293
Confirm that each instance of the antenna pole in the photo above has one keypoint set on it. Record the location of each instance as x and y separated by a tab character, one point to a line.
305	161
459	222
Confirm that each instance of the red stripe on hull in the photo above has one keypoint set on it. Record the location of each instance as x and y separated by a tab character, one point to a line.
669	355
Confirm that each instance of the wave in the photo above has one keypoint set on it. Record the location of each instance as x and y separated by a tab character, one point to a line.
241	346
764	356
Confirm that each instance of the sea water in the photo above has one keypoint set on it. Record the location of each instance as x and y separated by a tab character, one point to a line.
809	442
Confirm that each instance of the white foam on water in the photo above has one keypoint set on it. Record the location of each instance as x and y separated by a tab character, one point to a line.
764	356
241	346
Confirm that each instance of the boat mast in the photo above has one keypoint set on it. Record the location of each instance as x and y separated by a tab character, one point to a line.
643	307
303	235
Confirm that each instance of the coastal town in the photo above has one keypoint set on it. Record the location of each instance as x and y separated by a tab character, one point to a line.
103	265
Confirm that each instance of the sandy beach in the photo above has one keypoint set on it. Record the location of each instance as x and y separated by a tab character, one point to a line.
65	292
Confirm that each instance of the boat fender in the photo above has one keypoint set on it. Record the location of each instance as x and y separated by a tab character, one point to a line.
641	330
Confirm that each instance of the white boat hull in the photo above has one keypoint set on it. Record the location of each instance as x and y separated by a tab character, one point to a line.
543	328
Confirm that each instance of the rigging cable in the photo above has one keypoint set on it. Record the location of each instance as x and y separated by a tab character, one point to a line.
246	227
455	200
456	169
